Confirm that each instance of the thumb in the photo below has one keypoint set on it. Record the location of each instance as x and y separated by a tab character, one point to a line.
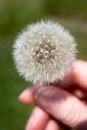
62	105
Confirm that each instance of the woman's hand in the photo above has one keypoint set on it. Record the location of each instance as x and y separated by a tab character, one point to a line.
63	102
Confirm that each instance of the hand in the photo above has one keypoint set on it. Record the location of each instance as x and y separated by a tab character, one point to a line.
63	102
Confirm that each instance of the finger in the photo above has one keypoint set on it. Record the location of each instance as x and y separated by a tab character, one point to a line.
62	105
76	76
38	120
78	92
79	73
52	125
27	96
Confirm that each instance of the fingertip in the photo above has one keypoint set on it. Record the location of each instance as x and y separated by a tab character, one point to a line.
26	97
52	125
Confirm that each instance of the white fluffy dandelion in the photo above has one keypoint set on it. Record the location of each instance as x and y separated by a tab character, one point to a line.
44	52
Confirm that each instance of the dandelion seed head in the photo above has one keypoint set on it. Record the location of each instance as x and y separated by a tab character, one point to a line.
44	52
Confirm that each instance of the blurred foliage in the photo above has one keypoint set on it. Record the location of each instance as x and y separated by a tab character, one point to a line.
14	16
66	8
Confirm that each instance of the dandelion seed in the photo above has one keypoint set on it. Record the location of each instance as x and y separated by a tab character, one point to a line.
44	52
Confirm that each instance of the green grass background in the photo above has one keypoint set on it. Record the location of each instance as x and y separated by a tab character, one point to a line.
15	15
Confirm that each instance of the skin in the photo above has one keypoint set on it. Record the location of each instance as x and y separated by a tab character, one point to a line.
61	104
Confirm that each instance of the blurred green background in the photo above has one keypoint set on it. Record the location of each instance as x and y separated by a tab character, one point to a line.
15	15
